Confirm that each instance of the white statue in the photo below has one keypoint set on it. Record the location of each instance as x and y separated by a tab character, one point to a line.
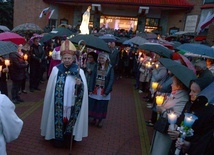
85	21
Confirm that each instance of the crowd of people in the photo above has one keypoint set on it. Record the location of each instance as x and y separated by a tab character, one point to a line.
80	85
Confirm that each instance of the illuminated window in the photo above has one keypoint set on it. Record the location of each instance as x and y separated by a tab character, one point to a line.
151	24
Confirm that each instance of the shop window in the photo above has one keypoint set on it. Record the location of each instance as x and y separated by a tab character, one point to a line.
52	23
152	24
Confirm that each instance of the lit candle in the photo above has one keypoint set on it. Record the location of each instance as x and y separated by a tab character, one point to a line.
189	119
0	68
154	85
25	57
148	64
50	53
159	100
141	59
156	65
172	119
7	62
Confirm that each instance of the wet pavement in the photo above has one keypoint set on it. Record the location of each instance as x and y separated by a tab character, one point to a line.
123	133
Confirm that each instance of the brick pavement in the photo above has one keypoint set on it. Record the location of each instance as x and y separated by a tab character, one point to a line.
123	133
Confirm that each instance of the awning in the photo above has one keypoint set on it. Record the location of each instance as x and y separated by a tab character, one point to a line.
157	3
207	6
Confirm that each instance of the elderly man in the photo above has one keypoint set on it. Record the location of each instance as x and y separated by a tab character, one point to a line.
65	110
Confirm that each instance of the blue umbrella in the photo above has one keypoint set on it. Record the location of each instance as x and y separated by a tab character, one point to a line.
197	50
184	74
208	93
136	40
108	38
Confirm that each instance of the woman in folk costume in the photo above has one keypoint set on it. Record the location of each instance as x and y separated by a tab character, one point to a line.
100	89
10	123
65	109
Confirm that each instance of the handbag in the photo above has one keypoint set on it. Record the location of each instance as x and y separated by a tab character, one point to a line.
161	125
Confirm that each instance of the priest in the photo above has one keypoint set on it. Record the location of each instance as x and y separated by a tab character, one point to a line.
65	109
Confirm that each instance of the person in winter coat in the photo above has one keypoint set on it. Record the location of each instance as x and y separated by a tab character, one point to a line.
17	73
175	102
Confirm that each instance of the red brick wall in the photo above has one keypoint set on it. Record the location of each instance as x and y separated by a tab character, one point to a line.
210	35
29	11
176	19
66	12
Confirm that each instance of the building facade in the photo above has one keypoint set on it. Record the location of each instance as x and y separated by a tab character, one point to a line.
140	15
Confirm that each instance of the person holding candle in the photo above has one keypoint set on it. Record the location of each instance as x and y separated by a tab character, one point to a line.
67	95
145	74
3	80
205	113
23	53
175	102
55	58
17	73
157	75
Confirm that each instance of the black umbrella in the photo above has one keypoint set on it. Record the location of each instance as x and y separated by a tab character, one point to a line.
157	48
184	74
57	32
92	42
7	47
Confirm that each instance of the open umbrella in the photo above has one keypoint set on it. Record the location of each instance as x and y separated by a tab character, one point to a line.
4	28
7	47
108	38
184	74
27	28
196	50
188	63
92	42
57	32
147	35
175	44
157	48
208	93
39	36
13	37
136	40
